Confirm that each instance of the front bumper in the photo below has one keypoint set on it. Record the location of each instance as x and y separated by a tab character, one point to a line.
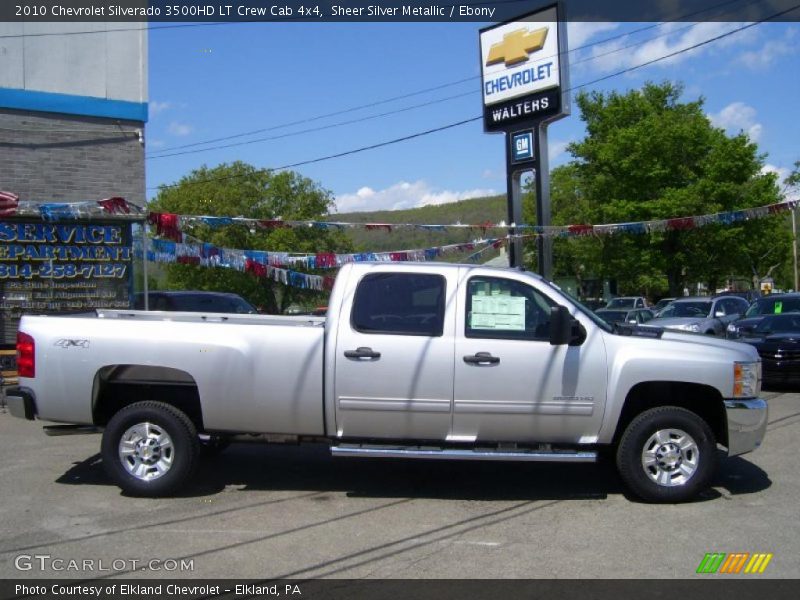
21	403
747	424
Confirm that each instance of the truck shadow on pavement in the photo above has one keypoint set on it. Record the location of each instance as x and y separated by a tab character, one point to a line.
311	468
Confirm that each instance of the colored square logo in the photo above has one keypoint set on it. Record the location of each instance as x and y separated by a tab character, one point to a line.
522	146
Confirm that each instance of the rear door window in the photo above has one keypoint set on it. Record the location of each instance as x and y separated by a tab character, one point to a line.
400	304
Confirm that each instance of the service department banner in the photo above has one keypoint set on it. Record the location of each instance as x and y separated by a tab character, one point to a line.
62	267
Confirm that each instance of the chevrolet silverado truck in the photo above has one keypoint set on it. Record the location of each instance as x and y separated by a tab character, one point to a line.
413	360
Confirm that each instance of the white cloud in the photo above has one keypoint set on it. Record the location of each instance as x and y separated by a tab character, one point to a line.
667	39
557	148
737	117
403	195
156	108
180	129
580	32
770	51
155	144
782	173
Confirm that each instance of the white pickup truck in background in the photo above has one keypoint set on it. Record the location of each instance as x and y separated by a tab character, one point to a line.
429	360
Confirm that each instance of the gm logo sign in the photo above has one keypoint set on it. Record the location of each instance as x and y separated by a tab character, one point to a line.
522	146
734	564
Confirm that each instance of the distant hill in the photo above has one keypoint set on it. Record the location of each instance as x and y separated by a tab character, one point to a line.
474	211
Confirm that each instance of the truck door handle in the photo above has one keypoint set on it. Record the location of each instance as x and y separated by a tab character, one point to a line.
362	352
481	358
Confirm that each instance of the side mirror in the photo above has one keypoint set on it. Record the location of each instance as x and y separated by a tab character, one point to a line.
719	313
560	326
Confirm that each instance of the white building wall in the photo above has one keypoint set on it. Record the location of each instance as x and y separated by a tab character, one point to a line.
110	64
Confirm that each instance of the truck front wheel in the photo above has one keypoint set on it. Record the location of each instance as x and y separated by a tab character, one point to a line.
667	454
150	449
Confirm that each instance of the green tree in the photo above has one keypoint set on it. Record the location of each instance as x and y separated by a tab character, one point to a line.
241	190
649	156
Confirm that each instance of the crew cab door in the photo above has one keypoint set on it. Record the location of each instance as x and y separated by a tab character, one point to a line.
511	384
394	356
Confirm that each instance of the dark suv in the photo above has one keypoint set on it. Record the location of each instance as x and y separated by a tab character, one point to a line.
219	302
774	304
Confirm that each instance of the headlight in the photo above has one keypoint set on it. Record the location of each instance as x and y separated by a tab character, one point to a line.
693	327
746	379
731	328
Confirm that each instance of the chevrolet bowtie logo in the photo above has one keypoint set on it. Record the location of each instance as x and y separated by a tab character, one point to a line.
516	46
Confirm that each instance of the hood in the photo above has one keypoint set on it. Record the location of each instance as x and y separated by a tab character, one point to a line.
678	345
696	339
675	321
775	339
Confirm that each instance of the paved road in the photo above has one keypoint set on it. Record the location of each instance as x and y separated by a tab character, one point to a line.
259	512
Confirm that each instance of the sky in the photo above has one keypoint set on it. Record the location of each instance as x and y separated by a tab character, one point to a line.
282	79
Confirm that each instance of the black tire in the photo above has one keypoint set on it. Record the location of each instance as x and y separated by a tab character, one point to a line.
665	478
165	468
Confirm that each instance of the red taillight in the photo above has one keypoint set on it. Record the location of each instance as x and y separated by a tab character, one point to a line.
26	355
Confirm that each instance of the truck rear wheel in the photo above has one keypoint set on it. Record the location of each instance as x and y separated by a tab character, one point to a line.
150	449
667	454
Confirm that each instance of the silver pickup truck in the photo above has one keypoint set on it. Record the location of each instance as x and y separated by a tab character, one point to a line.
428	360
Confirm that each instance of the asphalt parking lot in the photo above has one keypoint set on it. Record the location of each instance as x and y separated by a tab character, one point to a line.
276	512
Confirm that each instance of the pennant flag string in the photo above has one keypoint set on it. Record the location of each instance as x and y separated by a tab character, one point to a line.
274	265
171	225
194	251
12	206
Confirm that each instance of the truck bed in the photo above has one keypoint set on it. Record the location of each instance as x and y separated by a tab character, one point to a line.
254	373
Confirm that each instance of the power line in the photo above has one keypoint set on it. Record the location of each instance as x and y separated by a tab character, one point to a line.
437	87
465	121
571	90
164	153
316	129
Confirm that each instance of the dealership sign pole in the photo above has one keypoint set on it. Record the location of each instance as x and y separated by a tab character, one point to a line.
525	84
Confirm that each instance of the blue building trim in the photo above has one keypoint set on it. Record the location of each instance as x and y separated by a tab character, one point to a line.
73	105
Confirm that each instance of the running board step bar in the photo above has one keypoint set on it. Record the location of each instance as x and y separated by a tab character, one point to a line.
372	451
59	430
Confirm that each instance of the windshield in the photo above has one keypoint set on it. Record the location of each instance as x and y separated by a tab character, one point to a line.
622	303
579	305
612	316
697	309
222	304
781	324
773	306
663	302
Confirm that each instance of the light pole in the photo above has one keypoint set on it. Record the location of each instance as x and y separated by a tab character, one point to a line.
794	246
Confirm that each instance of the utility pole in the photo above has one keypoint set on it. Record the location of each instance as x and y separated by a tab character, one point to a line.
794	246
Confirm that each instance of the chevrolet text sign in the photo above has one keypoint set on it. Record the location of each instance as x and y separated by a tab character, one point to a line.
521	75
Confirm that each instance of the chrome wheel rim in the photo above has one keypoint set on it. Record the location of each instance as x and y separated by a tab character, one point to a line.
146	451
670	457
